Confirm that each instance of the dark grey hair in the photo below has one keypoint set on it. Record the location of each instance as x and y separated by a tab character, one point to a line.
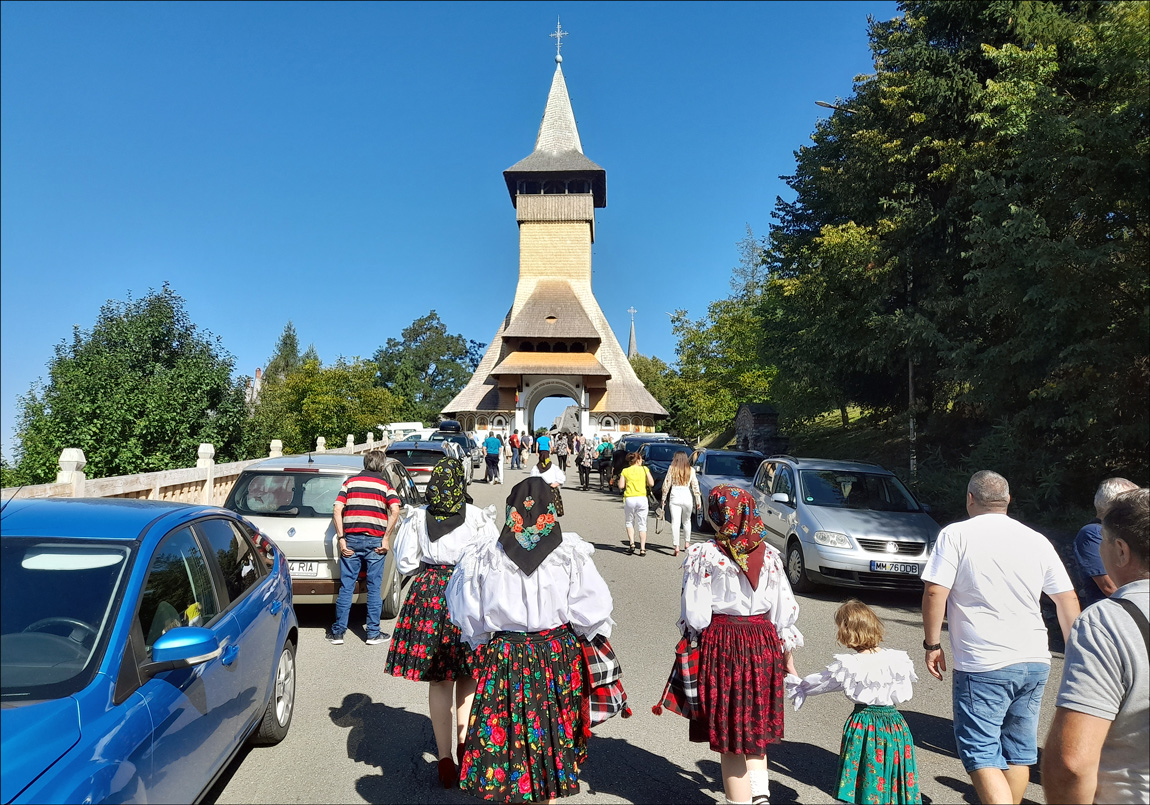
1128	519
988	488
374	460
1107	491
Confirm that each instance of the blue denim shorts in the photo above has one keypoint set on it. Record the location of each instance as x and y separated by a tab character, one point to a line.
996	715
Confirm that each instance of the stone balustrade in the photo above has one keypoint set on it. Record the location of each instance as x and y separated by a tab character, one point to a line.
207	482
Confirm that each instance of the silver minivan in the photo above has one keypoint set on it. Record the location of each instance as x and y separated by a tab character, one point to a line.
290	500
844	523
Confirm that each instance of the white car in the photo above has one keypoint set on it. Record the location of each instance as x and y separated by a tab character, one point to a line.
290	500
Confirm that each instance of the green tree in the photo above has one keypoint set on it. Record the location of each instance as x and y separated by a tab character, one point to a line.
315	401
426	367
286	357
138	392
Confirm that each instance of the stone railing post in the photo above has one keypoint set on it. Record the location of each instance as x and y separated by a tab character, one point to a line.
370	440
206	458
320	444
350	440
277	449
72	462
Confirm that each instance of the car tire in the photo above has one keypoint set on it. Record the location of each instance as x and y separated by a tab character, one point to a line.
394	599
281	704
797	568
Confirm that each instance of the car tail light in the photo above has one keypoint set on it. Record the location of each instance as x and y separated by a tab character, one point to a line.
300	469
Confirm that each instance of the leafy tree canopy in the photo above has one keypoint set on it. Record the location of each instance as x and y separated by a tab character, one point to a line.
427	367
137	393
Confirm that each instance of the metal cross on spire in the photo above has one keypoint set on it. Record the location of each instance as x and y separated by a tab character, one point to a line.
632	311
558	36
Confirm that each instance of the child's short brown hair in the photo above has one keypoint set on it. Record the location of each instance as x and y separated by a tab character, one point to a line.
858	627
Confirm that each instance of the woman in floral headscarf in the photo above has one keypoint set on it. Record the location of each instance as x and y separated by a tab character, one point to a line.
738	604
426	645
528	596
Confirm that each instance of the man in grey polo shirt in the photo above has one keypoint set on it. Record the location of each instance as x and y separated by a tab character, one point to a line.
1096	749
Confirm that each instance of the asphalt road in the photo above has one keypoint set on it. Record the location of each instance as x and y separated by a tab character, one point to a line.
359	735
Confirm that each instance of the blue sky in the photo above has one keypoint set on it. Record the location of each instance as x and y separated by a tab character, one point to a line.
340	165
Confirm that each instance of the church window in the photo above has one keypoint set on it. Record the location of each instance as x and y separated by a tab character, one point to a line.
607	423
526	346
578	186
530	188
578	346
543	347
554	187
559	347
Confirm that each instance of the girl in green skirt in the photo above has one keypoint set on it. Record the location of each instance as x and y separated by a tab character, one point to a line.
876	758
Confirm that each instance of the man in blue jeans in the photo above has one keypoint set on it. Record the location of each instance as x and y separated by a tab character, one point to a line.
365	513
987	574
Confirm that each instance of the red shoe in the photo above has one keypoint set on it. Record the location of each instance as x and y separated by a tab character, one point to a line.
448	773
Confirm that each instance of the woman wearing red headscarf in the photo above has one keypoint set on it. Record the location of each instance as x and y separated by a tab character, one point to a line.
738	604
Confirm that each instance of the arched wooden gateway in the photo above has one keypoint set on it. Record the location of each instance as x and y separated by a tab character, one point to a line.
555	341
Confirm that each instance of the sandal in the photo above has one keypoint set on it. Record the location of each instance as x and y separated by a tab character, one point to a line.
643	552
676	553
631	549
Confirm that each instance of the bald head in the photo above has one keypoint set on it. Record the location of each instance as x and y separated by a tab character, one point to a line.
987	492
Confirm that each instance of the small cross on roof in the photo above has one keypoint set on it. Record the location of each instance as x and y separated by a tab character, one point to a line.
558	36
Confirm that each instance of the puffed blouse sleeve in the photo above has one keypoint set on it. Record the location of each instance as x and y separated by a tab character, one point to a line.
696	602
825	681
405	547
588	599
464	596
784	612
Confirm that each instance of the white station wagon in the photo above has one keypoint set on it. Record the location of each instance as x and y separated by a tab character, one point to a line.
290	500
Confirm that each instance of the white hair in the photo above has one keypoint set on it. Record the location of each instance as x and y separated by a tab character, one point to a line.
988	488
1107	491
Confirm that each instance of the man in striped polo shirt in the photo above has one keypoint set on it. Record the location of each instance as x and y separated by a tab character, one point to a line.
366	512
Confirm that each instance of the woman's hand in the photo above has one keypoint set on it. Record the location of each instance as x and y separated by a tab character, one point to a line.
790	660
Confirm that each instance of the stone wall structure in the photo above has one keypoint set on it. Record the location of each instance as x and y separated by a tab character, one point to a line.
757	428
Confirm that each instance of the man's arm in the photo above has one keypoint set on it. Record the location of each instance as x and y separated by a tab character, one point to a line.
392	522
933	610
1068	609
1070	757
337	519
1104	583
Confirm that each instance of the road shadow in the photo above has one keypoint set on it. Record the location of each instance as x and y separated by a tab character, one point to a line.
392	743
932	732
621	769
802	762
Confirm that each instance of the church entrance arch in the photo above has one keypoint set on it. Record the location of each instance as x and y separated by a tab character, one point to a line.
545	389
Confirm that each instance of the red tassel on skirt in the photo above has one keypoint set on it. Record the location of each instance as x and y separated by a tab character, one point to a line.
741	671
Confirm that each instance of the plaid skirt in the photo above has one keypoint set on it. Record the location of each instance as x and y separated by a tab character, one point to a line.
876	760
426	645
741	672
525	740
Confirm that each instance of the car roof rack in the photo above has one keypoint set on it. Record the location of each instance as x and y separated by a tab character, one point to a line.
784	455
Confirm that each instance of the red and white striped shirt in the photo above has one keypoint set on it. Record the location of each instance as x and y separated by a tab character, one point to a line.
366	499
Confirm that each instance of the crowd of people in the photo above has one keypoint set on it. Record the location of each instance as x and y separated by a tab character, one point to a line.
508	620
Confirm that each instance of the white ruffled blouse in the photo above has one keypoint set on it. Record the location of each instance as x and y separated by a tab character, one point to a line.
553	475
412	546
885	677
488	592
713	584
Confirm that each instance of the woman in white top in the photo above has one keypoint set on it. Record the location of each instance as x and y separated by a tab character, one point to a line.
738	603
528	596
426	645
546	469
681	487
876	759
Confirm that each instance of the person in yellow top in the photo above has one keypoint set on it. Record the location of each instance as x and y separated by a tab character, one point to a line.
635	480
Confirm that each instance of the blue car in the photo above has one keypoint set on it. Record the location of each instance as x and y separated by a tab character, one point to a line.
142	644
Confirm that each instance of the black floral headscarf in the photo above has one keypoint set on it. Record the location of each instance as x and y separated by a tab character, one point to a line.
531	530
446	496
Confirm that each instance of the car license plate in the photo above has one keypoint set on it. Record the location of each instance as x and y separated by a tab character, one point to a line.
308	569
893	567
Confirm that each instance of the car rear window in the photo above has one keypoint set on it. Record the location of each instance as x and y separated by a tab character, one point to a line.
285	494
739	466
414	457
665	452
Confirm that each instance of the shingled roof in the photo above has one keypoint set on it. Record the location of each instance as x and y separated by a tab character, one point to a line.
552	311
551	363
557	147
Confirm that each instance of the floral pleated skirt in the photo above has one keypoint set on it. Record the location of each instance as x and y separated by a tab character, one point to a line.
525	740
426	646
741	670
876	761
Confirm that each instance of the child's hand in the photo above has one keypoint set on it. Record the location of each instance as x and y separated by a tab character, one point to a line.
790	659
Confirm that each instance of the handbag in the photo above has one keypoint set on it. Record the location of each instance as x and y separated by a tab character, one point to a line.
604	680
681	694
558	501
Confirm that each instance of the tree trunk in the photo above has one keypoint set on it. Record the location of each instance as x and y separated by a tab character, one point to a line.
845	415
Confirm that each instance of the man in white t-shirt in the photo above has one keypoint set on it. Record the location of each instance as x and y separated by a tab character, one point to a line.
987	574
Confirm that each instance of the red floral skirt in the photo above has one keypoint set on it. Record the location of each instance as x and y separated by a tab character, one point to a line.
741	671
525	740
426	646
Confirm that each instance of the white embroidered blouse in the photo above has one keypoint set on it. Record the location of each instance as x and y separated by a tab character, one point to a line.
553	475
713	584
412	545
488	592
885	677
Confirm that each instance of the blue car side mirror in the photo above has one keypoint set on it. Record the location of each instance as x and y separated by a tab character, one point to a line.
182	647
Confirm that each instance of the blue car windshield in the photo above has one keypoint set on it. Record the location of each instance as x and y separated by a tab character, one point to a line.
58	599
856	490
666	452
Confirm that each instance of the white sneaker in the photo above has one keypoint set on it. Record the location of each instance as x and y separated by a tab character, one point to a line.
334	639
382	638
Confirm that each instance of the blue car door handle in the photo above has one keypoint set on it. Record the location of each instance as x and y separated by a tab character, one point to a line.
276	607
229	655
